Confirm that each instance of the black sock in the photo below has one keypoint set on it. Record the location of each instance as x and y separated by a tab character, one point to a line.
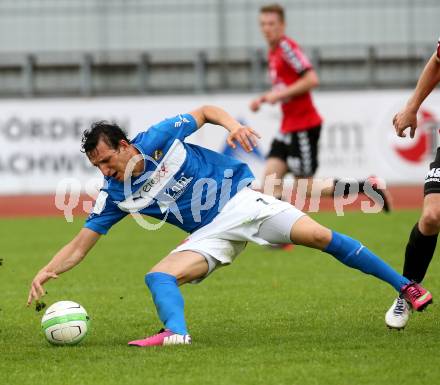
345	191
418	254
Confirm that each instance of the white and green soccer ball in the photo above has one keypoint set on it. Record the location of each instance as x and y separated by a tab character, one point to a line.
65	323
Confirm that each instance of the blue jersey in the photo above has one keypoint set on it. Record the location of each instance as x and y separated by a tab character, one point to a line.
183	184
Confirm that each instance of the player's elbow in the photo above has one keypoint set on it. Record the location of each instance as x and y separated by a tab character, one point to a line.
316	83
210	114
208	110
201	115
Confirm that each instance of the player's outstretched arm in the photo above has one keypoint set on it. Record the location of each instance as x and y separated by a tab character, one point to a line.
244	135
304	84
407	117
68	257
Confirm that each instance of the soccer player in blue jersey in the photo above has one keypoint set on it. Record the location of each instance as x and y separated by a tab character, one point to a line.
206	194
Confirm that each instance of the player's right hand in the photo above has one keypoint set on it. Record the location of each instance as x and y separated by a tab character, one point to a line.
255	105
36	291
246	136
404	119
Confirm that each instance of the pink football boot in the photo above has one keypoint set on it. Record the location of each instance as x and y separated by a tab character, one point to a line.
164	337
418	297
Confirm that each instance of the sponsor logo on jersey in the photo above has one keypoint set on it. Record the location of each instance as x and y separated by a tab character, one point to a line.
156	178
433	175
178	188
154	183
181	121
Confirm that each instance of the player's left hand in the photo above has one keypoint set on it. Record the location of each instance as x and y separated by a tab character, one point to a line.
404	119
246	136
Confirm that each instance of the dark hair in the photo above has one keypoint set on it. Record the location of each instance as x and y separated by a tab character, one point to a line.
273	8
110	133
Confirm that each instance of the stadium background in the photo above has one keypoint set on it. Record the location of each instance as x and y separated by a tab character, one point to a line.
98	47
66	63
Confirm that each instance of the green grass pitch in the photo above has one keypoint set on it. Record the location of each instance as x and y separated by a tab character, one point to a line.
273	317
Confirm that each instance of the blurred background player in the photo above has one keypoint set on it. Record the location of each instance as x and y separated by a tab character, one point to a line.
423	237
295	147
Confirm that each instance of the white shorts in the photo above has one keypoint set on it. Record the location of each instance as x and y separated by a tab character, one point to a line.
249	216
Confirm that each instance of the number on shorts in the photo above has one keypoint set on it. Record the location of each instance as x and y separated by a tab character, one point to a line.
262	200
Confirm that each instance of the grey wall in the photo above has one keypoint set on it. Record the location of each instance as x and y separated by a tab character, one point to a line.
65	25
86	47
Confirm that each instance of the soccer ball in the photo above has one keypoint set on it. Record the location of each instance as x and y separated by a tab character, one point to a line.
65	323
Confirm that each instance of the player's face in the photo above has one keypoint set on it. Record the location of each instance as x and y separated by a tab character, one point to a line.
111	162
272	27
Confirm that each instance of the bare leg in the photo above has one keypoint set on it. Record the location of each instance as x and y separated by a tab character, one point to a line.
274	173
186	266
307	232
429	223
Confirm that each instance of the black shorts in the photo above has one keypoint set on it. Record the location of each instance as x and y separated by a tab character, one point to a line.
432	179
299	150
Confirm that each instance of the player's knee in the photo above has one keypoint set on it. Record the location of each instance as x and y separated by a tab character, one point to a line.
321	237
181	275
163	268
430	221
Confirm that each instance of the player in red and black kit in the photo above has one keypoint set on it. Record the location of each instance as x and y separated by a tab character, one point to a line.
295	148
423	237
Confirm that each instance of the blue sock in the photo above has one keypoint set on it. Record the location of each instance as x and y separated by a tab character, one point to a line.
352	253
168	300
